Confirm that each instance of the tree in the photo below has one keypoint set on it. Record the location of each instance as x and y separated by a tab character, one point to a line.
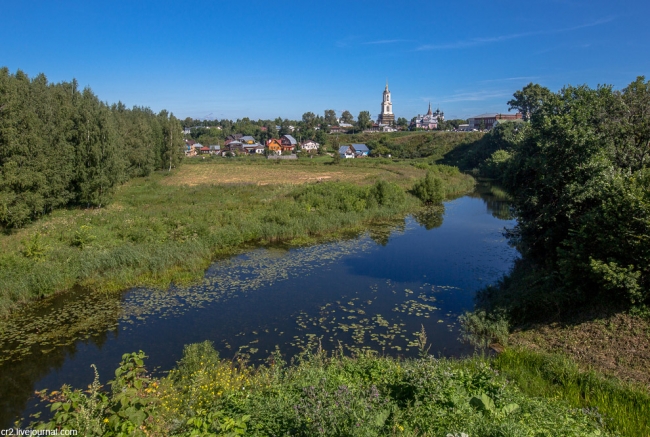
429	189
309	120
626	122
402	122
573	177
172	144
363	120
321	138
346	117
330	117
100	165
529	99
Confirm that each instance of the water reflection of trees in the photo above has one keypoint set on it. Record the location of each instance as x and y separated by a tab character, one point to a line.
430	217
381	233
51	349
498	202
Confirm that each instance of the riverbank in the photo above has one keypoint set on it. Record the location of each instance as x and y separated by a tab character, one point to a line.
362	395
168	227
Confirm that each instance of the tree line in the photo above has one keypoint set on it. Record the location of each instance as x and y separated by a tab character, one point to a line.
579	174
62	146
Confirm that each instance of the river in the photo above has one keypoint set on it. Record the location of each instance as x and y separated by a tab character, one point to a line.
371	291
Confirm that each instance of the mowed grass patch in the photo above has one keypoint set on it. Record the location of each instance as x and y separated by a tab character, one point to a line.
225	172
260	171
256	171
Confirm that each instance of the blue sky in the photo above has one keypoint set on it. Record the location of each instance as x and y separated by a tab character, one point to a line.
267	59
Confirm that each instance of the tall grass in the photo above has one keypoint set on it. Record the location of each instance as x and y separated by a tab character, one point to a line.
623	408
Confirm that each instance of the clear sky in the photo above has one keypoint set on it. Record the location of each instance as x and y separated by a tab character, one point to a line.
267	59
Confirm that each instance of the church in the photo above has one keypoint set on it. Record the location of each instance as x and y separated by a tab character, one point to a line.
429	121
386	116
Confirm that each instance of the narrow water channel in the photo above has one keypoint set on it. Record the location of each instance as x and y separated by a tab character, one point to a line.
374	291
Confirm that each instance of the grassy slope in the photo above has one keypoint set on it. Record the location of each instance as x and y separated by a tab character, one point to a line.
168	227
433	145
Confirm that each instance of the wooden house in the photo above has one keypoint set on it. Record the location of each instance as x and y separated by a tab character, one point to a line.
288	143
274	145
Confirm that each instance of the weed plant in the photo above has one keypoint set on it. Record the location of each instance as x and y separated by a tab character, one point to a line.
365	395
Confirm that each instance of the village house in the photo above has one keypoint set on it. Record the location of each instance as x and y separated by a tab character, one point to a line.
234	137
235	147
377	127
360	150
191	147
256	148
247	139
310	146
346	152
215	149
274	146
354	151
288	143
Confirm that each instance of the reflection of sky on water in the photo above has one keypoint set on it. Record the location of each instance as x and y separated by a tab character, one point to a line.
272	297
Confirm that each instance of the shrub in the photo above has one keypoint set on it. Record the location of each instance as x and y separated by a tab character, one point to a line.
429	189
387	193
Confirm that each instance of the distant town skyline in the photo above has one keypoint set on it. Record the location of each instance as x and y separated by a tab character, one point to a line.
265	60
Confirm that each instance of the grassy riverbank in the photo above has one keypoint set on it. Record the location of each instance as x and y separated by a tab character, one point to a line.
168	227
516	394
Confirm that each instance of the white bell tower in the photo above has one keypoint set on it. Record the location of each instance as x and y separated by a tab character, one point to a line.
386	116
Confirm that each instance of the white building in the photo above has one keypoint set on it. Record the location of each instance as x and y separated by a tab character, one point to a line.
428	121
386	116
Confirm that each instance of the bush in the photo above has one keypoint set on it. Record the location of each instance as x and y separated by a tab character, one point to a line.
318	396
429	189
387	193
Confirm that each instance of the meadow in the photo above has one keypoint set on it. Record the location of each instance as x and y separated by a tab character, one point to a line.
169	226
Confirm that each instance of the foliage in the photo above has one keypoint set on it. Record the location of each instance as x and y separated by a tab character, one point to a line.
82	237
34	248
429	189
122	412
346	117
60	146
581	169
495	166
529	99
482	329
363	120
363	395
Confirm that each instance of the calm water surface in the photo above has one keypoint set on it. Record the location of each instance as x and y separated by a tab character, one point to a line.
374	291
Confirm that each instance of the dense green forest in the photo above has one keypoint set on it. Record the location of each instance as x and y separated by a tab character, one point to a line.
579	176
63	146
